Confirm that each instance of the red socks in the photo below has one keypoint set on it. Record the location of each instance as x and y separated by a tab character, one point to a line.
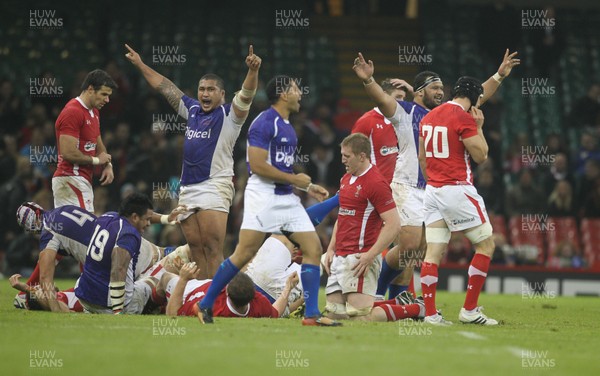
399	312
477	274
429	279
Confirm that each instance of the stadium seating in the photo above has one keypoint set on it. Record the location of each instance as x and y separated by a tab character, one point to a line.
559	230
590	238
527	237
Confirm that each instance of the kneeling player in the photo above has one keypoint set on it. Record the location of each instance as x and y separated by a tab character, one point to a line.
353	258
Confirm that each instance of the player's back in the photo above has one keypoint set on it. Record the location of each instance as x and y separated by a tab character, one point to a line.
383	140
110	231
72	226
269	131
443	131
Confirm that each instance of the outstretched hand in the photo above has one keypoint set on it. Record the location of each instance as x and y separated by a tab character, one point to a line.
508	62
253	61
363	70
133	56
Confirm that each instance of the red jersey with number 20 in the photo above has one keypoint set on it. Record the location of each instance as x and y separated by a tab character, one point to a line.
362	199
443	130
84	124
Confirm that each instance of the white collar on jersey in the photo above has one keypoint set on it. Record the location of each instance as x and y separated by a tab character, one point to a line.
86	107
235	312
456	104
354	177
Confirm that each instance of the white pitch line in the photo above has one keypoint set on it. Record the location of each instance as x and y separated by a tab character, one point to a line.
516	351
471	335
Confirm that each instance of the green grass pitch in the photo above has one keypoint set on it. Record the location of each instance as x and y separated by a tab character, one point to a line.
558	336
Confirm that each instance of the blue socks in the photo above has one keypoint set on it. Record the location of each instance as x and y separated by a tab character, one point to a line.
395	290
224	275
385	278
319	211
311	279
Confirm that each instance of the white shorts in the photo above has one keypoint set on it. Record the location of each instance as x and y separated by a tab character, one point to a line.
189	287
270	213
409	202
271	268
342	276
141	294
135	305
460	206
212	194
73	190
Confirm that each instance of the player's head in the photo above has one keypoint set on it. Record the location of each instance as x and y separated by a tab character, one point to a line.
356	151
211	91
428	89
240	290
283	90
137	208
469	88
98	86
398	93
29	217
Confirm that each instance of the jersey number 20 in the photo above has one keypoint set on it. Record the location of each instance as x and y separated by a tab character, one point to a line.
97	244
438	134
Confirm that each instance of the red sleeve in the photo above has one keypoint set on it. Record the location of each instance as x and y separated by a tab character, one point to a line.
467	126
380	195
262	307
69	123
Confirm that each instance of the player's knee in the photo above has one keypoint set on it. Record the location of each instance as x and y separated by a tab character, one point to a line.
481	234
335	308
437	235
358	312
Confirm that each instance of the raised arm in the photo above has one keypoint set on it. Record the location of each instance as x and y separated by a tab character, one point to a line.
243	99
282	301
156	80
364	71
477	145
493	83
188	272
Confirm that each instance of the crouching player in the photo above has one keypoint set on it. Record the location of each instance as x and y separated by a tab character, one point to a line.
239	298
107	284
353	259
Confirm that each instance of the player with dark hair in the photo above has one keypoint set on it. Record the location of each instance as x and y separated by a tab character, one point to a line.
206	178
449	135
80	145
66	231
408	183
37	299
237	299
270	206
106	284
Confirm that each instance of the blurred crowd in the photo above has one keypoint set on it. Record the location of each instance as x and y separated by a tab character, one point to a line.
145	139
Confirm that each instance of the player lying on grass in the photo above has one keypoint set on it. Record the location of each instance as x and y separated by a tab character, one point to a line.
183	293
66	231
37	300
